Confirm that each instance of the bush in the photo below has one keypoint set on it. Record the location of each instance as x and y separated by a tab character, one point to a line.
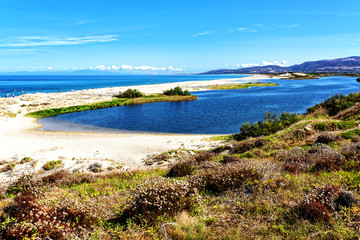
96	167
352	153
269	125
334	126
327	137
34	220
56	177
181	169
320	202
248	145
51	164
337	103
204	156
160	197
232	176
25	160
176	91
230	158
318	157
130	93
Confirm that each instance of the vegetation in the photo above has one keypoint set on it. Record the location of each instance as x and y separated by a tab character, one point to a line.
130	93
273	187
337	103
350	134
334	125
113	103
241	86
269	125
177	91
51	164
25	160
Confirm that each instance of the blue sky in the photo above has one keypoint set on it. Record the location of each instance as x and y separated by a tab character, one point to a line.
169	36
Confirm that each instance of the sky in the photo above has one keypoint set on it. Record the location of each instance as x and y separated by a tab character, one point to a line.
173	36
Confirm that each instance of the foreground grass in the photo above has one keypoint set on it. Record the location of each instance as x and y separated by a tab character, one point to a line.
107	104
300	183
241	86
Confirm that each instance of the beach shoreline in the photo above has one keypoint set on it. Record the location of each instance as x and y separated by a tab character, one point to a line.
78	150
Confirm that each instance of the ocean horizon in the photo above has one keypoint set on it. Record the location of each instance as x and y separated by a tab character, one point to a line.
22	84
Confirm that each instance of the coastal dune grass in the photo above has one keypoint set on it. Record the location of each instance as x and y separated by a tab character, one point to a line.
112	103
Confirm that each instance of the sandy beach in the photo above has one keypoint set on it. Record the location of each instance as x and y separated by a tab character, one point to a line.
19	137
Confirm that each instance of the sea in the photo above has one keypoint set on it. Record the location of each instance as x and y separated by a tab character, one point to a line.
22	84
215	112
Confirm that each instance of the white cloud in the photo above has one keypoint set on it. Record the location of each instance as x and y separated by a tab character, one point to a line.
281	63
31	41
202	33
114	67
135	68
126	67
49	68
246	65
82	22
287	26
100	67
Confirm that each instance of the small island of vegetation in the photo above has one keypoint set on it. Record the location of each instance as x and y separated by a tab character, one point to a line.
129	97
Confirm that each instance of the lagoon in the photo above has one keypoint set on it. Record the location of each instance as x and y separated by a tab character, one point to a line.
215	112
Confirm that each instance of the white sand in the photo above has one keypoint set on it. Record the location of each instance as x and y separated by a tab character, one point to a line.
19	137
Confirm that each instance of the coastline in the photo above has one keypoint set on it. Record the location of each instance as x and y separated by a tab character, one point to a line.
78	150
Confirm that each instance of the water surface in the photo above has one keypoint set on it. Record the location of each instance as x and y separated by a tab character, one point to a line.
18	85
215	112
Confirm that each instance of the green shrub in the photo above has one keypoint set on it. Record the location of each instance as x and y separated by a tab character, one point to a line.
269	125
176	91
25	160
337	103
334	126
130	93
350	134
8	167
51	164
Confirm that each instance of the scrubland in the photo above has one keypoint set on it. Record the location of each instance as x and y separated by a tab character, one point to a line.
285	177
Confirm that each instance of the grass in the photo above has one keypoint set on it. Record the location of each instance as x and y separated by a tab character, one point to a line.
246	189
241	86
107	104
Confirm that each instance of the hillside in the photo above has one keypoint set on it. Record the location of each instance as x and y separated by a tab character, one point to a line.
341	65
285	177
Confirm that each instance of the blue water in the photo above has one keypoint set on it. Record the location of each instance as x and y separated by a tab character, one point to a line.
215	112
18	85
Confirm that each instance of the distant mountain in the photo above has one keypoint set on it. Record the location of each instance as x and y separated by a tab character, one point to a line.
340	65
